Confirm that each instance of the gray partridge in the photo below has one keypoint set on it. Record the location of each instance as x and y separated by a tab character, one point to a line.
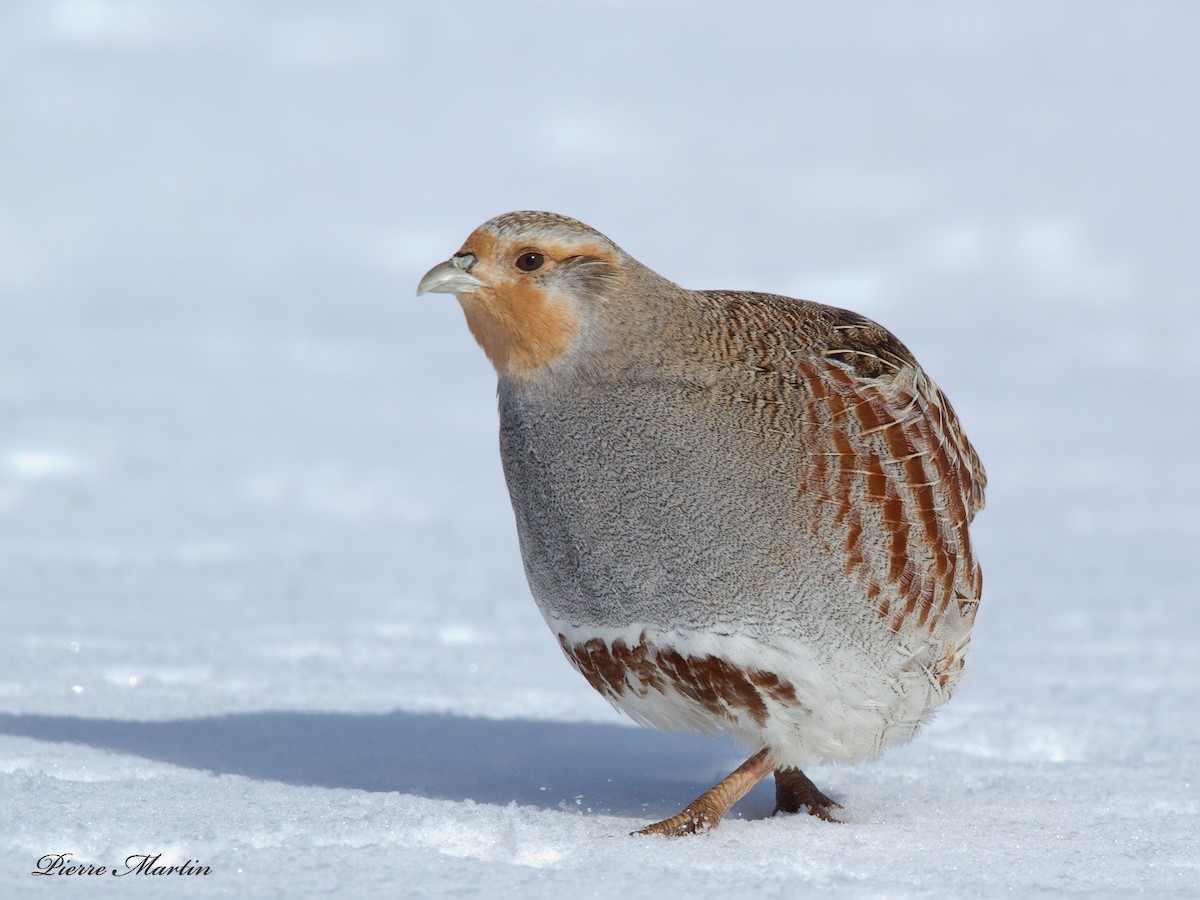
737	511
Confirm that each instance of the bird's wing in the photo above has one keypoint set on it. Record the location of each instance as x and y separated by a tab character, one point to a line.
893	480
878	360
903	480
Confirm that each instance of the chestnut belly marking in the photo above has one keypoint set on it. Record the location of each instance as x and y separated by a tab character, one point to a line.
716	684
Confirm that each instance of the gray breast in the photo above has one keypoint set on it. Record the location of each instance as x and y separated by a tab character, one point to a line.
646	503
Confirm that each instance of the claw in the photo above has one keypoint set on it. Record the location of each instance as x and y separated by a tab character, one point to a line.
795	791
690	821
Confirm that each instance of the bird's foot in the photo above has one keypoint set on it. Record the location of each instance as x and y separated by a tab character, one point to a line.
795	791
706	810
693	820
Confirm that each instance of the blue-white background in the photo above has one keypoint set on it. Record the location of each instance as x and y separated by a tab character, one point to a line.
260	597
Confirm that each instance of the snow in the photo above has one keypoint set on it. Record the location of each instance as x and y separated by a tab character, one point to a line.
261	605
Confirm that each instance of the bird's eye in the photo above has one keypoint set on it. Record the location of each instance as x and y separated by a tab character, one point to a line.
530	262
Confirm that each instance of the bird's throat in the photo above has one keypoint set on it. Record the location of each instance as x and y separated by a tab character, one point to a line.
520	330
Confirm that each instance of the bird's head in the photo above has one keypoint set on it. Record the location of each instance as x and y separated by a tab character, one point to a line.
533	285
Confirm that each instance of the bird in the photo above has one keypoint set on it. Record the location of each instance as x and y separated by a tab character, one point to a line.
737	512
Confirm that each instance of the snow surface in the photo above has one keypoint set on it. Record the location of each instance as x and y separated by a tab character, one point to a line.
260	598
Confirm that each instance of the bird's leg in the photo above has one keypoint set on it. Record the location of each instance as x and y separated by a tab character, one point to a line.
794	790
706	810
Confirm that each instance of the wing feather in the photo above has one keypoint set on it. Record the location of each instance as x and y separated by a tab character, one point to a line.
894	478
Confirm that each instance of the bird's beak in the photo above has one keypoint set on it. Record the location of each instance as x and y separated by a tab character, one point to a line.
450	277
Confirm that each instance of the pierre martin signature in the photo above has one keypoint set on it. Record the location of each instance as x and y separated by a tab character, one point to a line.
135	864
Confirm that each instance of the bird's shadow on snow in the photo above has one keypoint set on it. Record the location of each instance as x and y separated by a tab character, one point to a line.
602	768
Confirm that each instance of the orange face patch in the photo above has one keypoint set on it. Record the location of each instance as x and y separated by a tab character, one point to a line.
520	325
